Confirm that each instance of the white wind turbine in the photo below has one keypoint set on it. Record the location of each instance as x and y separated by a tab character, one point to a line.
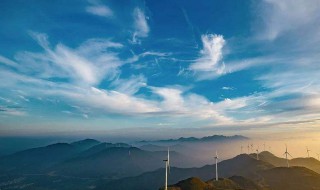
286	153
241	149
257	153
216	159
308	152
318	155
167	161
248	148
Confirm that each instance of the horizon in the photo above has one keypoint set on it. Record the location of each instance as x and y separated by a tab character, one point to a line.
160	70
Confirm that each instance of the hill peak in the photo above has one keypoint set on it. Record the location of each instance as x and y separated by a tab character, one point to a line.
86	141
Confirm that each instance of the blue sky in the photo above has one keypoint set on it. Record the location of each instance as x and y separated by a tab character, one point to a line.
157	68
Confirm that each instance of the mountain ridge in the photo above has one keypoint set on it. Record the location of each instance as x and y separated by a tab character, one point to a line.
202	139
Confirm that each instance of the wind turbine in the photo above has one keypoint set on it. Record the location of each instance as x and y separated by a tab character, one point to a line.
251	147
286	153
216	159
264	146
308	152
317	155
241	149
248	148
257	153
167	161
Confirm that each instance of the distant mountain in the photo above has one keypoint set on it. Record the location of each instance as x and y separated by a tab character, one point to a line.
203	139
100	147
114	162
85	144
88	159
153	147
243	165
39	160
309	163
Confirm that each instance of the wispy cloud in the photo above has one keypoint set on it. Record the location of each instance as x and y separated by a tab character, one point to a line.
227	88
140	25
8	62
209	64
129	86
93	61
12	111
283	17
99	9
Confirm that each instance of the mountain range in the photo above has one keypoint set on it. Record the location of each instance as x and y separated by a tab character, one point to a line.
203	139
91	164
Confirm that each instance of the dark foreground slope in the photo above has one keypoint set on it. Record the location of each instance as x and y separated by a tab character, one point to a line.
240	183
293	178
279	178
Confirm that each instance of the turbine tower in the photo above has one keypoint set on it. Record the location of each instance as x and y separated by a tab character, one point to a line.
286	153
216	159
264	146
257	153
251	147
317	155
241	149
308	152
167	161
248	148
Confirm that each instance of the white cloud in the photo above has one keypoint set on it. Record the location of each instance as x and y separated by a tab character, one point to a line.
282	17
176	102
87	65
7	61
172	100
140	25
227	88
113	101
209	64
24	98
6	110
129	86
99	9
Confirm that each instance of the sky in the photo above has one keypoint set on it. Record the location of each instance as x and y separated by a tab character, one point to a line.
157	69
